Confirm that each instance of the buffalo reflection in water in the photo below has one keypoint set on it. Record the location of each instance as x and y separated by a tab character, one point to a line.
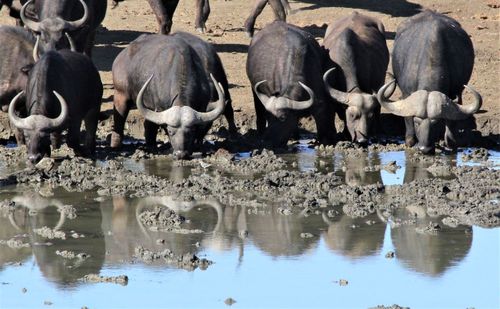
63	272
427	252
13	224
355	238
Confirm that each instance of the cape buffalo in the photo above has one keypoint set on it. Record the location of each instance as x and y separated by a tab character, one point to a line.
63	89
285	65
165	9
432	60
56	17
169	81
16	55
280	8
357	46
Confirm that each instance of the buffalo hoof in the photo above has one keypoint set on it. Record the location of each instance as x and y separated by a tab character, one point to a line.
426	150
181	155
200	29
116	140
363	142
410	141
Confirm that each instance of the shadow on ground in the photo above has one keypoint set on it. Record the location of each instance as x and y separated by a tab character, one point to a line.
395	8
230	48
109	44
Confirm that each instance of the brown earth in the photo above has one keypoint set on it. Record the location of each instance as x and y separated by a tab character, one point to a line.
131	18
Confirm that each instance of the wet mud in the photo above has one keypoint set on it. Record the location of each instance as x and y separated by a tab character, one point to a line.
467	194
93	278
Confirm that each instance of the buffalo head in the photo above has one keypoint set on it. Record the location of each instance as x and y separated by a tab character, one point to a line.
361	108
280	106
428	108
183	122
37	128
52	31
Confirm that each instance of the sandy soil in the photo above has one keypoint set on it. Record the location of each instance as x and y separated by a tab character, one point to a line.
133	17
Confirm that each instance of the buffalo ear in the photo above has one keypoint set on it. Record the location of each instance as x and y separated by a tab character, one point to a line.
27	68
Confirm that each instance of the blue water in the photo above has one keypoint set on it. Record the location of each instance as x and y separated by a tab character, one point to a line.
260	259
273	267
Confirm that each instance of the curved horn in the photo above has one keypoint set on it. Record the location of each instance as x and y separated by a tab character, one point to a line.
453	111
290	104
21	123
389	91
300	105
72	45
32	25
155	117
400	108
73	25
210	116
57	122
337	95
262	97
38	121
35	48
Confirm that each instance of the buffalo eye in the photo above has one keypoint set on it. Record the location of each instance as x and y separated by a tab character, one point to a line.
27	68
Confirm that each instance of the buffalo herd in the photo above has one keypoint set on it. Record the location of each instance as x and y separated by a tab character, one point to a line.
49	84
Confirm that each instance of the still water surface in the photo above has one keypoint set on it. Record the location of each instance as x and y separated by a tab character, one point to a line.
262	259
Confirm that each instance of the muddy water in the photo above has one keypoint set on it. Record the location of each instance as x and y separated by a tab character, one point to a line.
181	254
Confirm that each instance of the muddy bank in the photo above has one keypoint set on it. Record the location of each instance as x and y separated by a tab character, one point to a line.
469	195
187	261
94	278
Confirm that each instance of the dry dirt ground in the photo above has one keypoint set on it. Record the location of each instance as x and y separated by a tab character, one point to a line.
480	18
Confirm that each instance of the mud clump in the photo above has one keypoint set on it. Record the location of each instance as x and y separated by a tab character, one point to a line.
390	255
347	147
389	307
186	261
94	278
161	218
14	243
7	207
476	155
470	199
260	161
439	169
342	282
451	222
68	211
50	233
72	255
306	235
432	228
229	301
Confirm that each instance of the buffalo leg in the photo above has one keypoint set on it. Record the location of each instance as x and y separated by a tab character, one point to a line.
250	22
229	115
286	6
325	125
73	138
121	109
91	121
90	43
410	139
202	13
55	140
278	9
164	12
260	114
19	134
150	134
